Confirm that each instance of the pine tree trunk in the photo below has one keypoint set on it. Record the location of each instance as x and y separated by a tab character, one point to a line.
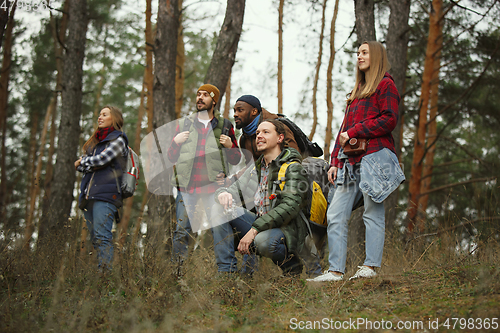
227	106
227	44
54	231
329	85
159	224
149	66
36	182
364	11
179	70
30	161
420	133
4	98
397	49
432	126
59	38
4	18
127	210
280	56
316	74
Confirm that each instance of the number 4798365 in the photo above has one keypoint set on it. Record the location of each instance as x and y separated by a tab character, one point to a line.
28	5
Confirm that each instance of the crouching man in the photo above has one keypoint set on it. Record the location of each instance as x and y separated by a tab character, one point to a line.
276	230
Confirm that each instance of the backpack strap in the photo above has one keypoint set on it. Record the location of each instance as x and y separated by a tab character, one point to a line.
282	172
223	126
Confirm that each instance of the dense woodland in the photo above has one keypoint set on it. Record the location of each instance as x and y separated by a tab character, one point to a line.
444	57
445	61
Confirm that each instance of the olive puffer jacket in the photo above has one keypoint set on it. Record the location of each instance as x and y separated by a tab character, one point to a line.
288	202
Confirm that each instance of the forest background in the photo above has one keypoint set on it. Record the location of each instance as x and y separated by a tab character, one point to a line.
298	57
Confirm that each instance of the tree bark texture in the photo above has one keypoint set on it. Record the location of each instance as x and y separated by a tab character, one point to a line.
165	52
149	66
280	56
316	74
397	49
127	203
4	18
59	38
432	126
54	227
222	62
227	106
179	70
364	11
329	85
4	97
420	133
36	184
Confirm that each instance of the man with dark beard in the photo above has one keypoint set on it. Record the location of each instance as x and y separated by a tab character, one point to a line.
200	151
248	114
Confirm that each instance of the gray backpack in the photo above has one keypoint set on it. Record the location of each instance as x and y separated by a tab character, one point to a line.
130	174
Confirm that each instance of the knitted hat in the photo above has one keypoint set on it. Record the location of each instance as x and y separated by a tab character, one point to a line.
214	92
252	100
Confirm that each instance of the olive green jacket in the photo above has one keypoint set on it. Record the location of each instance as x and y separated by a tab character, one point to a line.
288	202
215	154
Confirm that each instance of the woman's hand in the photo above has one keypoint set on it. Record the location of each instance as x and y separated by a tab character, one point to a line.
332	174
246	241
225	141
343	138
78	162
225	199
181	137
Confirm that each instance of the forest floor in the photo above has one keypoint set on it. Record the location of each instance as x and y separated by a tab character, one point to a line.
435	288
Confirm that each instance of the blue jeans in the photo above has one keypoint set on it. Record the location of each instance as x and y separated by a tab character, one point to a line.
182	232
269	243
346	195
99	217
222	232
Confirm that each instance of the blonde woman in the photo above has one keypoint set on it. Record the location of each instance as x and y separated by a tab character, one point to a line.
370	175
100	192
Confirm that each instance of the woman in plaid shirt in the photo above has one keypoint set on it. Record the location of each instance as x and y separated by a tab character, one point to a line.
100	193
372	114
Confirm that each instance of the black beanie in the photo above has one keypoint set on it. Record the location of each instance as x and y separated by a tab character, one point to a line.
252	100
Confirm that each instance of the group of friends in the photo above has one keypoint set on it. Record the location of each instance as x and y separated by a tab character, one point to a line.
203	146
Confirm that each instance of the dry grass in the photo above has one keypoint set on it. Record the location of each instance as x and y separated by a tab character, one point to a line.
419	283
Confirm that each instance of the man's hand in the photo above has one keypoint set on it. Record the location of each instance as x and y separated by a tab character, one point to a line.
343	138
246	241
225	199
332	174
225	141
181	137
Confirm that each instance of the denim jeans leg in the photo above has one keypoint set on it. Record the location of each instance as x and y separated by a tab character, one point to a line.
271	244
103	215
374	219
338	215
182	230
241	225
223	236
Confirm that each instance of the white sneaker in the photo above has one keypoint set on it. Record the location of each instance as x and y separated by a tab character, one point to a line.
363	272
327	276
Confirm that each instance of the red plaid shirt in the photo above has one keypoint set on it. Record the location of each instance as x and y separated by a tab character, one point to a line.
200	183
374	118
